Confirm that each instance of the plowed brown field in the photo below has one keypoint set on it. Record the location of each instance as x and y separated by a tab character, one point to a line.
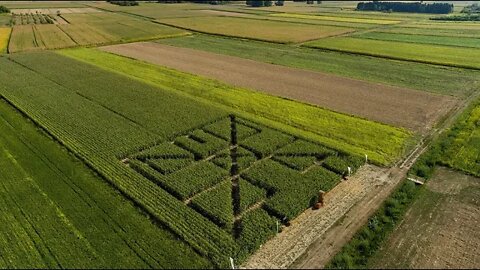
412	109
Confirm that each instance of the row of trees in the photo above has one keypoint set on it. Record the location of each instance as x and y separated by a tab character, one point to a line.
418	7
260	3
123	3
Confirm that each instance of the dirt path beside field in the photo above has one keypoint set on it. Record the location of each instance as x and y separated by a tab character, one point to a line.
412	109
357	197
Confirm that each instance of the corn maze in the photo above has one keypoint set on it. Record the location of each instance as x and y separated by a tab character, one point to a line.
242	176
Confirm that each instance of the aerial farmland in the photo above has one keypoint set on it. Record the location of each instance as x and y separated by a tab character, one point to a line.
239	134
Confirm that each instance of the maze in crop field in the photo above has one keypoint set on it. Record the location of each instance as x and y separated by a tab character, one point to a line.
241	175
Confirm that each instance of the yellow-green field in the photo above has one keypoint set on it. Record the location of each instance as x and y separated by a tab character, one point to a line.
282	32
434	54
335	18
4	36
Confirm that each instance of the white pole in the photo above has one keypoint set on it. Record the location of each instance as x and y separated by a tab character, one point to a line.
277	226
366	158
349	171
231	263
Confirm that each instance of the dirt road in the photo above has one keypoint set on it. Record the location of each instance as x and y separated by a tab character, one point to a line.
412	109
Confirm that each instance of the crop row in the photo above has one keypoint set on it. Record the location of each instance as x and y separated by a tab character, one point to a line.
201	144
98	135
290	192
216	204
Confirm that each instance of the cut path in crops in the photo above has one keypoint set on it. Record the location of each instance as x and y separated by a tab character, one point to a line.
407	108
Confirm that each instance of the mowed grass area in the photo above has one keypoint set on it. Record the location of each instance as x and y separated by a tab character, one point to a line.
336	18
434	54
87	29
443	80
4	37
57	214
382	143
283	32
424	39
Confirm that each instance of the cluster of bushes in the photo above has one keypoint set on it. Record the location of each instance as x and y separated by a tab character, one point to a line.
435	8
356	253
123	3
475	8
4	9
459	18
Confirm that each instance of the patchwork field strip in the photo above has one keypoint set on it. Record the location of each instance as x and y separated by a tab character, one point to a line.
377	102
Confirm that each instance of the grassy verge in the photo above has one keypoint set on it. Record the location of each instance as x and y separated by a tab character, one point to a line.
382	143
368	239
458	148
442	80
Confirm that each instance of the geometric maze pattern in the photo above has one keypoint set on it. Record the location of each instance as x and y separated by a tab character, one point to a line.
228	168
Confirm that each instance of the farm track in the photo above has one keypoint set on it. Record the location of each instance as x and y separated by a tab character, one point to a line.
381	103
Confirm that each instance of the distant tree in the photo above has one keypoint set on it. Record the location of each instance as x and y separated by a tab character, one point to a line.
123	3
259	3
310	2
279	3
4	9
319	2
417	7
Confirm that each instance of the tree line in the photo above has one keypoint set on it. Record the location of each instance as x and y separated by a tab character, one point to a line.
418	7
123	3
260	3
4	9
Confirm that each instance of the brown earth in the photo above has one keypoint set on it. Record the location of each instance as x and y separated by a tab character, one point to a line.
441	229
412	109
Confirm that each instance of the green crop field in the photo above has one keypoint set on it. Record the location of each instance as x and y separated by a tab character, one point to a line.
449	81
335	18
157	11
432	32
463	151
171	153
424	39
283	32
327	126
57	214
442	55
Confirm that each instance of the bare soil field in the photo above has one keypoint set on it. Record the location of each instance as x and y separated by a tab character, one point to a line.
441	228
315	231
412	109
